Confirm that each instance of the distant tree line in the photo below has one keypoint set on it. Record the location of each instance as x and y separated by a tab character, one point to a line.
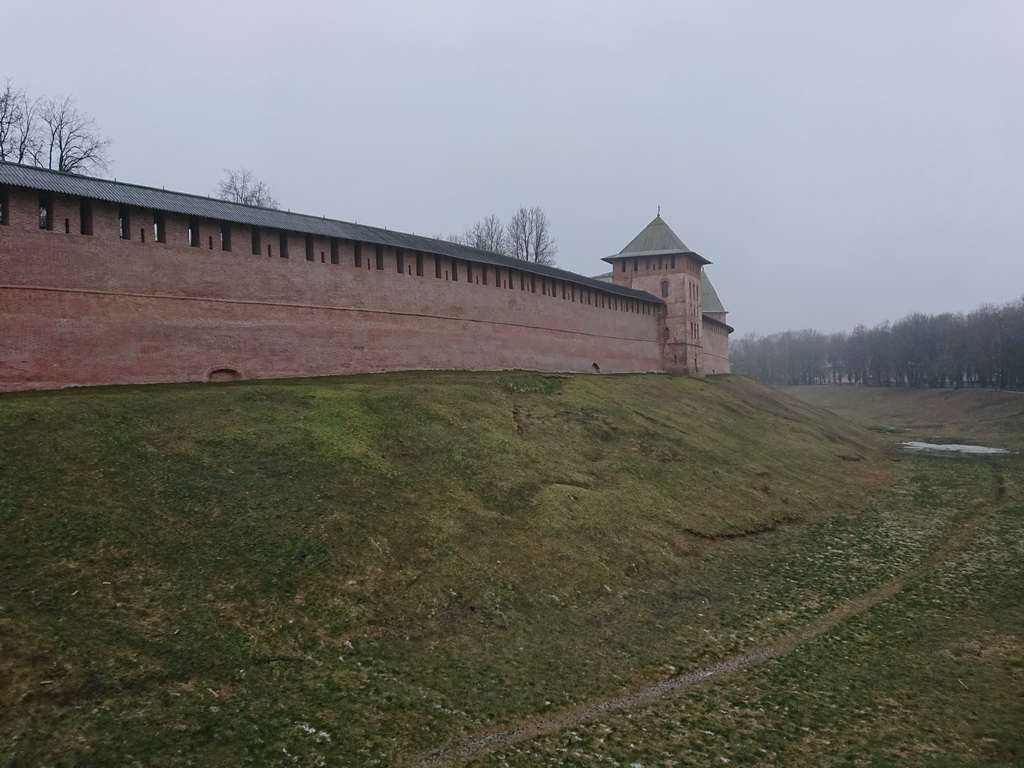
50	132
526	235
982	349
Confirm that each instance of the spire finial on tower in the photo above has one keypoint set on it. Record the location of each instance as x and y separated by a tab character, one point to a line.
659	211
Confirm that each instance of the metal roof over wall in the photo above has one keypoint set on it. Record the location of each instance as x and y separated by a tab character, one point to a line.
709	296
164	200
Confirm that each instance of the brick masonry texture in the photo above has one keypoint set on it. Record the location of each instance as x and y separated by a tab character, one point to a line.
80	309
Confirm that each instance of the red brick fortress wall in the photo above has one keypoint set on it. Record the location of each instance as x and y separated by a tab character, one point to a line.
716	347
80	309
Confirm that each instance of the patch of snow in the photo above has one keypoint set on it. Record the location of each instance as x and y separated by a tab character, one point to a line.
320	736
919	447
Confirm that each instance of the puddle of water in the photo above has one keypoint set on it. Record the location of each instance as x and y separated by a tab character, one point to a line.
949	448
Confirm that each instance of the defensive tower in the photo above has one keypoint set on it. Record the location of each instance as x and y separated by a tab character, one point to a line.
658	262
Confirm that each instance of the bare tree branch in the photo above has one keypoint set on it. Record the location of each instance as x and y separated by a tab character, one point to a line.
11	114
19	134
529	236
242	186
68	140
488	234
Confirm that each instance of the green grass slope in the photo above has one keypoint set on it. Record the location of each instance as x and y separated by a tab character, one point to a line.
359	570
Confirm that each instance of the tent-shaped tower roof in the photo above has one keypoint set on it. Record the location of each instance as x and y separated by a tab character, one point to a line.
656	239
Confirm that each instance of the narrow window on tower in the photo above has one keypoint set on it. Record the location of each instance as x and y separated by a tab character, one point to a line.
85	217
159	228
193	232
310	255
283	245
664	289
257	245
419	264
437	266
45	212
455	271
379	255
4	205
124	223
357	250
335	254
469	272
399	260
225	236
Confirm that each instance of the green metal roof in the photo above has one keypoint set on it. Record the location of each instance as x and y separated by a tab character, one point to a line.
709	296
656	239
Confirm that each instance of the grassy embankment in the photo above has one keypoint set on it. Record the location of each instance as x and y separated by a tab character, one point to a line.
971	416
363	570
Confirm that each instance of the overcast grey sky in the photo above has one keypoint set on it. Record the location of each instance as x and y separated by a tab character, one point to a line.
838	162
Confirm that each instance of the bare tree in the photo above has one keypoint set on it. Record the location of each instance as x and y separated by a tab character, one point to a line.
242	186
68	140
529	236
19	138
50	133
10	118
488	234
